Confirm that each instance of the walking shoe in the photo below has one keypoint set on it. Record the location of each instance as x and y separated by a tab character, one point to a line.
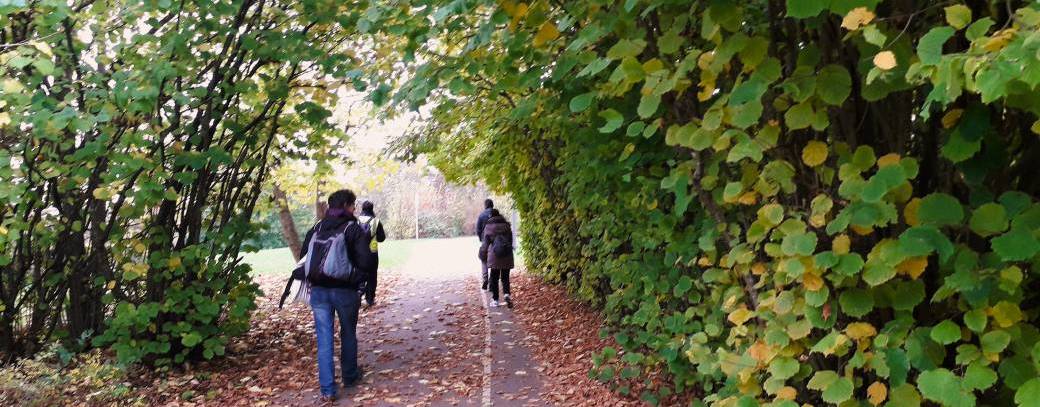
509	301
356	380
494	304
327	399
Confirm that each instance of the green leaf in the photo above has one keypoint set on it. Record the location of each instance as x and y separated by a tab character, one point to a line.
784	367
799	116
191	339
941	385
1029	394
979	377
684	285
989	219
940	209
946	332
822	380
648	105
839	391
961	146
995	341
44	66
626	48
976	320
1018	244
581	102
924	240
833	84
874	36
805	8
613	118
958	16
929	48
979	28
905	395
856	302
799	244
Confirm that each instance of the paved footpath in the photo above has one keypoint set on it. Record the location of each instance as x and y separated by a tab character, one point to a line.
432	340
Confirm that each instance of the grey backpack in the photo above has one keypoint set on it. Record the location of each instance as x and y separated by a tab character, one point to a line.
335	263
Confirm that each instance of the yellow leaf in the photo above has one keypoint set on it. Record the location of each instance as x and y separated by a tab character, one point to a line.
885	60
174	262
707	90
1035	127
814	153
812	282
841	244
139	247
862	231
705	59
860	330
857	18
740	316
818	220
877	393
786	393
546	33
704	261
758	269
761	352
748	198
999	40
951	118
910	212
5	119
653	65
519	12
888	159
111	284
913	267
42	47
11	86
1006	314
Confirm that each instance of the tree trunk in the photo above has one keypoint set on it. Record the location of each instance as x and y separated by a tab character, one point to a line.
289	234
320	206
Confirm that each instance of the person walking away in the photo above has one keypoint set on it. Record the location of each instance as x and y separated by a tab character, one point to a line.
481	222
497	249
337	258
374	228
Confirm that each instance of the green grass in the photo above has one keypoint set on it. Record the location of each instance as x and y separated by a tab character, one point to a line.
392	254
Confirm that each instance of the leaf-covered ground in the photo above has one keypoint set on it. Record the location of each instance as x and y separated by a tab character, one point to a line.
424	343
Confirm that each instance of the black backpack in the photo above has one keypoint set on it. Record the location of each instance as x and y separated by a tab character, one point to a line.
501	246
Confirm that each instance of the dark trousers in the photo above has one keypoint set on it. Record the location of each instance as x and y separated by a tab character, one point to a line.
496	275
483	273
370	287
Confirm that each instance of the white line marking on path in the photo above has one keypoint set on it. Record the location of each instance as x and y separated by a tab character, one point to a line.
487	347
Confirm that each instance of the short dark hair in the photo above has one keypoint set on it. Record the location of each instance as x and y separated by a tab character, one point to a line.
342	198
367	208
495	212
488	204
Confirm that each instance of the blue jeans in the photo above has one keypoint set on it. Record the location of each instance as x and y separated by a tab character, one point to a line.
345	303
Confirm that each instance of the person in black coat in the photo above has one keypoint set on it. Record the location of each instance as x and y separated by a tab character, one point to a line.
374	227
481	222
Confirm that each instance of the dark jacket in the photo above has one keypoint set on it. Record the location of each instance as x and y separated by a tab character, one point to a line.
496	226
481	222
357	249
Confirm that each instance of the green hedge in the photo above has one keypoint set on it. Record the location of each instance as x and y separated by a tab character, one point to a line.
780	203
